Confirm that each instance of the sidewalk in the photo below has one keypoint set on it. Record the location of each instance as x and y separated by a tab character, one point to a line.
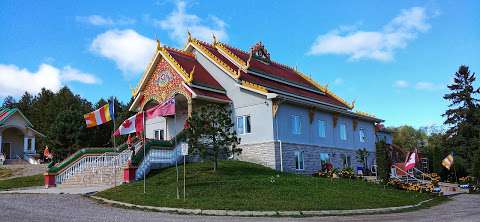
58	190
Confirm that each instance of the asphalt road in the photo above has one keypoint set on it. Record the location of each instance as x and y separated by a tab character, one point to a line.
57	207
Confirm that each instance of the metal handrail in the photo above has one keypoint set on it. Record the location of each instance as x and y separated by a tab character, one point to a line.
407	173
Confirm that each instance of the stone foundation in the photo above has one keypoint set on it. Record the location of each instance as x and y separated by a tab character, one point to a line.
268	154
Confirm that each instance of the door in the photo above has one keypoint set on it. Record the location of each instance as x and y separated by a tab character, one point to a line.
6	150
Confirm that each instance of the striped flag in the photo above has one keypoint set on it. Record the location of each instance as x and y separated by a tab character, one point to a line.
448	161
100	116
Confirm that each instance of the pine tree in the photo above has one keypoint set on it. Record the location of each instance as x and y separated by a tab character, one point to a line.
210	131
9	102
463	115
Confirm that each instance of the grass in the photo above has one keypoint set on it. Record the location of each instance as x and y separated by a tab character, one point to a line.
18	182
5	172
245	186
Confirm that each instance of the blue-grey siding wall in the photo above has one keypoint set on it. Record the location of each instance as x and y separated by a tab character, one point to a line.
309	135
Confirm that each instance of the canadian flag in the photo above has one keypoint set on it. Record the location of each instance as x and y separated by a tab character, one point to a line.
133	124
411	161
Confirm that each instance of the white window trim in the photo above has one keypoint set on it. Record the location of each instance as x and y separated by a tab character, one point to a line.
297	157
244	120
364	138
340	131
292	117
324	128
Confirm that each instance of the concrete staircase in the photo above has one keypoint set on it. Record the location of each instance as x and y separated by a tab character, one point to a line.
96	176
157	159
15	162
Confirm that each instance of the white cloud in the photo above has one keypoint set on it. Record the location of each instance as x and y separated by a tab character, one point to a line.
338	81
378	45
401	84
129	50
421	85
427	86
178	22
98	20
14	81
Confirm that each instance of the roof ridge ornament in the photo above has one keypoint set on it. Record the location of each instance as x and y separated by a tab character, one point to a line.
214	39
159	46
259	52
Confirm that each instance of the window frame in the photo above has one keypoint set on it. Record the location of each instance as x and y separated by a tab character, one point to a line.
324	124
294	125
362	136
161	132
343	131
299	155
245	123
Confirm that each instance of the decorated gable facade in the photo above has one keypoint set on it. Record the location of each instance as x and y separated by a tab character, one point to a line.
285	119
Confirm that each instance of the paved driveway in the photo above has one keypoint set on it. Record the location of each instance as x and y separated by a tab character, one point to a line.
57	207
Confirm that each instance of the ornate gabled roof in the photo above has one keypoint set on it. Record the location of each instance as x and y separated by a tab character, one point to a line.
266	73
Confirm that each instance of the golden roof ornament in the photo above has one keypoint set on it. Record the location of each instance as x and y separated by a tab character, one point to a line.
214	39
159	46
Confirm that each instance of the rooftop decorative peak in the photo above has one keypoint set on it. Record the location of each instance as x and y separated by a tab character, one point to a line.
158	45
214	39
260	52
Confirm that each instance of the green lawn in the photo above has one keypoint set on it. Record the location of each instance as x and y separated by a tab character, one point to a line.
244	186
28	181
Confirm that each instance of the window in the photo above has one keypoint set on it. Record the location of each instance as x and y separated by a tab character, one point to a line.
296	125
324	159
159	134
299	160
321	128
347	162
29	144
361	133
243	125
343	131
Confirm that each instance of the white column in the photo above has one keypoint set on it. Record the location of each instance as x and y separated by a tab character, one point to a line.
33	145
1	144
25	144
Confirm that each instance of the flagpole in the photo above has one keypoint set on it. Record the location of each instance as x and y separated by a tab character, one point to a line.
114	143
144	142
176	159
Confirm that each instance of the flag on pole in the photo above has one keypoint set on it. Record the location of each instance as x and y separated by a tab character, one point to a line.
99	116
411	161
133	124
448	161
165	109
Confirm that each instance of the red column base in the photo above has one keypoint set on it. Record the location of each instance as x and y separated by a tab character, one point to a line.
49	179
129	173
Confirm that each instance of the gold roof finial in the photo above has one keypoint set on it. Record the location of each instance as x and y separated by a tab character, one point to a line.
189	35
214	39
190	77
353	104
158	45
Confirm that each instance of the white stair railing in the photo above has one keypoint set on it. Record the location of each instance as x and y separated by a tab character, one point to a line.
113	163
88	162
160	156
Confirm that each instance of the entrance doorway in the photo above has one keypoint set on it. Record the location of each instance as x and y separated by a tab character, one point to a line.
6	150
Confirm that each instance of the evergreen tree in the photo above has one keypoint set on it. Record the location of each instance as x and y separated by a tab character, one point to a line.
9	102
383	163
25	104
463	115
210	131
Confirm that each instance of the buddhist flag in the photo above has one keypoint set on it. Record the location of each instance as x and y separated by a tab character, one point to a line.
133	124
411	161
165	109
448	161
99	116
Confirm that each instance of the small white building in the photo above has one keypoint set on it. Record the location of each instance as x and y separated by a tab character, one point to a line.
17	137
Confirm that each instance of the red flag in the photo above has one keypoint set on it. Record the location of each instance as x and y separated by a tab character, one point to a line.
165	109
131	125
412	159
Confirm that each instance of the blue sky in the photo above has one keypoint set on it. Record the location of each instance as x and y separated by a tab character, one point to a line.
394	59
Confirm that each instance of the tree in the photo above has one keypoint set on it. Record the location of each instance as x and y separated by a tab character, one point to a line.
362	155
210	131
463	115
408	137
67	134
9	102
383	164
